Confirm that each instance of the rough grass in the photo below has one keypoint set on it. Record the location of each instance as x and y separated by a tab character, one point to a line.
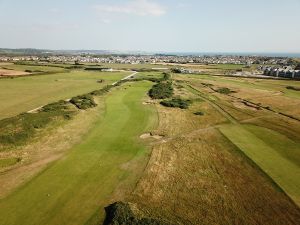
71	190
196	176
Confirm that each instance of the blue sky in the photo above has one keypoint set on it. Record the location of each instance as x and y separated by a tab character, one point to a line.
152	25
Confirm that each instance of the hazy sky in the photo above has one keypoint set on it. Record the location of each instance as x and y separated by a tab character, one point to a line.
152	25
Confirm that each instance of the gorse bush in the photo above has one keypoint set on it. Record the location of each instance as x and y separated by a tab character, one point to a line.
176	103
166	76
224	91
83	101
101	91
199	113
161	90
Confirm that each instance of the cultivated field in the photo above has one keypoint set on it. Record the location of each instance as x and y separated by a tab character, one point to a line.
231	155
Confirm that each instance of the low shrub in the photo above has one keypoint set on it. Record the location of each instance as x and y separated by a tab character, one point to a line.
121	213
101	91
95	68
224	91
199	113
176	70
161	90
83	101
176	103
166	76
207	84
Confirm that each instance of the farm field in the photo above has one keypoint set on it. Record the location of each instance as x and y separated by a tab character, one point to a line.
26	93
72	190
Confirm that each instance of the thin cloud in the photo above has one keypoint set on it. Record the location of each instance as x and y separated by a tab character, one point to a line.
135	7
55	10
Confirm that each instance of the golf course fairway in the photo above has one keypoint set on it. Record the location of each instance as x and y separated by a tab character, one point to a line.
74	188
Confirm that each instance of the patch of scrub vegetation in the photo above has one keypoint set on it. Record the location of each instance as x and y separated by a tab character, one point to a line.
8	162
101	91
161	90
224	91
207	84
166	76
293	88
176	103
199	113
153	77
83	101
18	130
121	213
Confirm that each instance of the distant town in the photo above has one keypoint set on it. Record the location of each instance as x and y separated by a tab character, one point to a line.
154	59
280	67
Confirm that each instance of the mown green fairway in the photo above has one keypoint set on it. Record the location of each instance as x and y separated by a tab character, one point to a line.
71	190
274	153
26	93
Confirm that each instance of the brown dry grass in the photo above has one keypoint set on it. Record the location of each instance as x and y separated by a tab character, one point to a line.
199	177
246	89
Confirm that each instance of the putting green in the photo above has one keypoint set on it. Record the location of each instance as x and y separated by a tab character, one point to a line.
72	189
